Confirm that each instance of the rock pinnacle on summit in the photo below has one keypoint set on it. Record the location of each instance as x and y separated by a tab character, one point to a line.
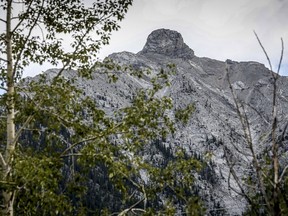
167	42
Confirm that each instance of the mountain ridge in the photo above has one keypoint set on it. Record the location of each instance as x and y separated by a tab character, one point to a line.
203	82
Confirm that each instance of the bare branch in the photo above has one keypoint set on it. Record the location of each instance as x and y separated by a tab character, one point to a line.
238	106
5	89
73	53
3	60
27	37
8	182
281	56
134	210
2	20
257	112
272	183
263	49
131	208
2	160
30	129
72	155
42	32
242	193
283	173
237	180
77	143
247	133
22	20
28	120
86	140
248	126
78	45
125	211
240	151
15	18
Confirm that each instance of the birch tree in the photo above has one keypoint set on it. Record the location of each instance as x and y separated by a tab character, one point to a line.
88	28
54	132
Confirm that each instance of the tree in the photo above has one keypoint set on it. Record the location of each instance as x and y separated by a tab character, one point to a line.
54	132
21	46
264	187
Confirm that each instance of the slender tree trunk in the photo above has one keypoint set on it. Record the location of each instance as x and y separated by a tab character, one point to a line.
276	201
276	189
8	197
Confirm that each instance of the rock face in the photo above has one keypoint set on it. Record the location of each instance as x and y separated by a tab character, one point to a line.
203	82
169	43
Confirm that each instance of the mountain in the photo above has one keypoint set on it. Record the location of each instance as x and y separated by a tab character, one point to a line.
215	125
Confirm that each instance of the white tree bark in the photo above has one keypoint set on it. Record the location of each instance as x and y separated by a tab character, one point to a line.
10	145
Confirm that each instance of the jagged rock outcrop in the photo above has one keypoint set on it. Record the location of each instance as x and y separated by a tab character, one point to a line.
203	82
169	43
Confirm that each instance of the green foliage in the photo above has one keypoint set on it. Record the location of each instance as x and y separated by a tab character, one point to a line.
37	178
63	140
65	144
88	28
258	205
183	115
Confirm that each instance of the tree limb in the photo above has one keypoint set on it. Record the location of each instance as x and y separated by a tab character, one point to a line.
5	89
77	143
22	20
247	133
131	208
28	120
263	49
15	18
86	140
27	37
72	155
2	160
282	174
78	45
236	178
281	56
2	59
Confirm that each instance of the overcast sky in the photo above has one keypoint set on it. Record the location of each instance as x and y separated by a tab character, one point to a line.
219	29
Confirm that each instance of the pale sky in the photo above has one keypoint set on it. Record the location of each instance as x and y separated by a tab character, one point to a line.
218	29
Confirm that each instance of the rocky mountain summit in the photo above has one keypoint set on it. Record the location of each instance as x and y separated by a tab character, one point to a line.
168	43
203	82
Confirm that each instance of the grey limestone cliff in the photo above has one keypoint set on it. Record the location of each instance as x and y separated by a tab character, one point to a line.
203	82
